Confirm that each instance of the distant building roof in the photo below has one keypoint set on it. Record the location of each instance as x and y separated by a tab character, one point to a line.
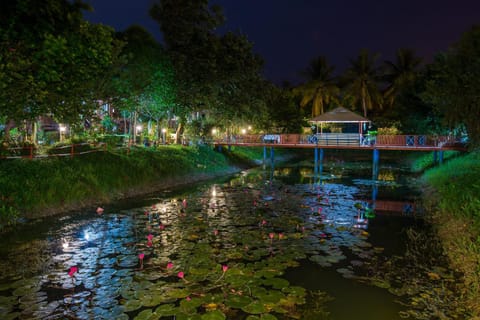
339	115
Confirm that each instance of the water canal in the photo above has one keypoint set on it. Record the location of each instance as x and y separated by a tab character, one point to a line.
263	244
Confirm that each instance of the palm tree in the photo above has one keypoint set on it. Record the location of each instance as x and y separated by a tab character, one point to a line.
320	88
362	78
400	74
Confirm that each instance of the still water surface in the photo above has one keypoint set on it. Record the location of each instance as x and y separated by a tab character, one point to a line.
269	244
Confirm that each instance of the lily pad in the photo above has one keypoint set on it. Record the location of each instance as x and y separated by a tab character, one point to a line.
214	315
256	307
132	305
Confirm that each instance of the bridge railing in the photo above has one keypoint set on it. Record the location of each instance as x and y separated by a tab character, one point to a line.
344	139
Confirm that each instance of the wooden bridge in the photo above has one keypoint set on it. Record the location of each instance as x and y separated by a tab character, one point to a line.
346	141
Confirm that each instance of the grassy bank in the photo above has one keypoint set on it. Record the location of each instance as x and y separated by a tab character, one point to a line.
453	194
32	188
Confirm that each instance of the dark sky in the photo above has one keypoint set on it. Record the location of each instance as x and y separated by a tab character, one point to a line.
289	33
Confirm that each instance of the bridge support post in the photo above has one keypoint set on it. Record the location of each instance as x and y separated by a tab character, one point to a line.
272	156
219	148
375	166
264	156
440	157
320	165
315	161
435	157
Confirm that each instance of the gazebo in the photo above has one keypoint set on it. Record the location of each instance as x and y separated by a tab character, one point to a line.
339	115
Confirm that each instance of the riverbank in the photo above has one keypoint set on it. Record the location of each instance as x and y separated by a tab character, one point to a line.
452	195
32	189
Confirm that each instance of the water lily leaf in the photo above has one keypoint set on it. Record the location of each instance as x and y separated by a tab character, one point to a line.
272	296
152	299
166	310
147	315
11	316
214	315
268	316
183	316
237	302
178	293
277	283
256	307
132	305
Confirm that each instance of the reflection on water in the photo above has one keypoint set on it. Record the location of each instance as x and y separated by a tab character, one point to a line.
227	249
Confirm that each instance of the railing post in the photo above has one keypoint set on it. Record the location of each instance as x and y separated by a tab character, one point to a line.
72	150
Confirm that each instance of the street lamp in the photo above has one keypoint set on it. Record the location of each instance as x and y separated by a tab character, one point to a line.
62	130
138	130
164	131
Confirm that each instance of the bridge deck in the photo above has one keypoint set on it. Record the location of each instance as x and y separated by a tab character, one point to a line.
346	141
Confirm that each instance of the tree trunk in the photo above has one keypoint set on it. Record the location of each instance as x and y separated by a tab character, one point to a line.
178	132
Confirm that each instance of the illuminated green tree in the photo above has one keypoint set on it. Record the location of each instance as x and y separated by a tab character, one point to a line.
51	60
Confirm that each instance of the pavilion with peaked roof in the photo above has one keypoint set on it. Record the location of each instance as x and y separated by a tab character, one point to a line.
339	115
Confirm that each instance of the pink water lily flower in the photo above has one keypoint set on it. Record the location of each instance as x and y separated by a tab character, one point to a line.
72	271
99	210
141	256
162	227
215	232
224	268
150	237
169	265
271	235
181	275
280	236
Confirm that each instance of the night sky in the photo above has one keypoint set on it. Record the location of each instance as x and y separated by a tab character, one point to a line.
289	33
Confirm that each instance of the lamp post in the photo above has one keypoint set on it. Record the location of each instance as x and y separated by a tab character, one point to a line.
62	130
138	132
164	131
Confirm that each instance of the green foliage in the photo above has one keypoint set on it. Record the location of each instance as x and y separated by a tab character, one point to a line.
51	60
453	84
40	184
320	90
362	78
457	183
425	160
457	203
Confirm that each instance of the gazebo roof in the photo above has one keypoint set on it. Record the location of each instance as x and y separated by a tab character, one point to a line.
339	115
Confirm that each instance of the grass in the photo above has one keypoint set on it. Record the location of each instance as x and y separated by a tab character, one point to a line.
455	202
425	161
28	186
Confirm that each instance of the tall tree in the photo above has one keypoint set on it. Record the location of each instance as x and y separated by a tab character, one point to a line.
361	79
453	85
51	60
145	84
320	88
400	74
216	74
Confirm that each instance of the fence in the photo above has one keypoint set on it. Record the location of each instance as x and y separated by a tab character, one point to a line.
32	152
